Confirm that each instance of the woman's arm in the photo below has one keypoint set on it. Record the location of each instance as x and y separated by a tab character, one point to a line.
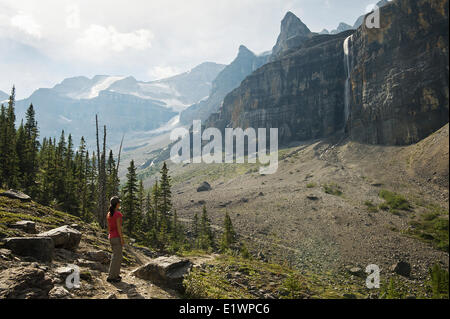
119	229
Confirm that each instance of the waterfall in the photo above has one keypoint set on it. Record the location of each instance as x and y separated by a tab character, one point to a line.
347	82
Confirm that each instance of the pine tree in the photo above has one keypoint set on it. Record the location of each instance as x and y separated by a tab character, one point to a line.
31	153
166	194
206	237
229	235
130	202
156	204
195	230
10	169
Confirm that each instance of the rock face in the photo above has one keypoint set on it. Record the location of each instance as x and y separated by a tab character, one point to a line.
397	81
399	74
64	237
228	79
24	283
204	187
293	33
16	195
25	225
165	271
40	248
99	255
301	94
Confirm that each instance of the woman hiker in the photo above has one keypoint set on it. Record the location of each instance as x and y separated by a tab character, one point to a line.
114	218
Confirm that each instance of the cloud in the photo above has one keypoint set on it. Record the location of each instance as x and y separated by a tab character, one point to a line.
100	38
73	17
27	24
161	72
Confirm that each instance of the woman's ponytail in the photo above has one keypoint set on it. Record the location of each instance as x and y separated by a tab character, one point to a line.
113	205
111	210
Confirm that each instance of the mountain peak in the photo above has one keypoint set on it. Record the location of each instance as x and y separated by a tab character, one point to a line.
292	25
243	50
292	33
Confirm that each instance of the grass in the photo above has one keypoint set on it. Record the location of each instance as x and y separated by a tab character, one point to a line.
332	189
311	185
394	201
431	228
371	207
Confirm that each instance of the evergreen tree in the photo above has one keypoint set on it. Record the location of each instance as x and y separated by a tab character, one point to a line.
206	237
131	202
229	235
31	153
166	194
9	165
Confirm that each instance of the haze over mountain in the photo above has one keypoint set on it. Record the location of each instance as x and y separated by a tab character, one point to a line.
123	103
228	79
3	96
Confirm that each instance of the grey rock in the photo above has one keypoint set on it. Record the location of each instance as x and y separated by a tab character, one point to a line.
59	292
16	195
204	187
40	248
165	271
99	255
64	237
25	225
402	268
24	283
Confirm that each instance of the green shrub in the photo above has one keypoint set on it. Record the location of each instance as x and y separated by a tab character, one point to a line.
370	206
394	200
393	290
293	287
311	185
439	282
332	189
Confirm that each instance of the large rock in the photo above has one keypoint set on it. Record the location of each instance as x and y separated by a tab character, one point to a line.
40	248
99	256
59	292
165	271
24	283
25	225
204	187
16	195
64	237
399	75
402	268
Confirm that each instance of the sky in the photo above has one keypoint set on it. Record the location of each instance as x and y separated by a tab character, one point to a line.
42	42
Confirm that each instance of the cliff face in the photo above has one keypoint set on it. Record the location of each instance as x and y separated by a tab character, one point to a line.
390	88
293	32
301	93
399	74
228	79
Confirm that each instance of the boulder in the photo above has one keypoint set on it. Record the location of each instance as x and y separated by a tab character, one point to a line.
94	265
40	248
25	225
16	195
165	271
355	271
24	283
59	292
64	237
99	255
402	268
204	187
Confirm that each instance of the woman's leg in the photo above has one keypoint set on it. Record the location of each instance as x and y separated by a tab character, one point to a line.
116	259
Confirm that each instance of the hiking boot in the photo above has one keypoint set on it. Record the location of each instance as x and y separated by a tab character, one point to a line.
118	279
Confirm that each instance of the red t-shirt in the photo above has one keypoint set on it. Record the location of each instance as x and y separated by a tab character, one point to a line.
112	222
